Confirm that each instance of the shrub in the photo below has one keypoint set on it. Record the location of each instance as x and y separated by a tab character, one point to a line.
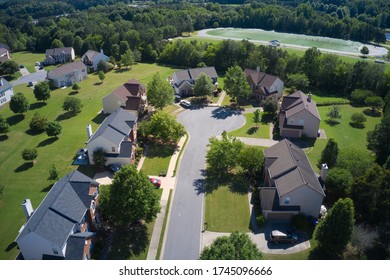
163	173
38	123
260	220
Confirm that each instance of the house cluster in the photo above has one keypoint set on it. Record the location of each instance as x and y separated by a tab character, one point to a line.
4	53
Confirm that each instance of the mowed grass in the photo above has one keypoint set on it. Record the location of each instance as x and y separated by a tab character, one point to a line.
345	135
28	59
227	211
23	181
157	159
248	129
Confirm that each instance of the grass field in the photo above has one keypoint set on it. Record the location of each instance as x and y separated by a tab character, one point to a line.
248	130
28	59
23	181
157	159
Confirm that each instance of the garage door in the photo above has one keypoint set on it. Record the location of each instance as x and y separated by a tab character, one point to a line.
291	133
279	216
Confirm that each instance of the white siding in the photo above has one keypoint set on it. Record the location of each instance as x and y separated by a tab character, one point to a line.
6	96
111	103
100	142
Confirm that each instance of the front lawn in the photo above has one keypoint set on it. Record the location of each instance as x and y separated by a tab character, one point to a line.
21	180
157	159
28	59
248	129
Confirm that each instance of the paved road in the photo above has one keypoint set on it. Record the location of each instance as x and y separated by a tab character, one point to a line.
185	222
39	75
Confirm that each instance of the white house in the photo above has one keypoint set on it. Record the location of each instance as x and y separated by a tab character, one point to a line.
63	225
116	136
6	91
68	74
4	55
59	55
92	58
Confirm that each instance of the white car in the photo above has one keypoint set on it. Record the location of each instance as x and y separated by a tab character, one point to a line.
185	103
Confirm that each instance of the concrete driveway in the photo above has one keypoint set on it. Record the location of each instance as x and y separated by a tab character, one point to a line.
39	75
103	178
183	241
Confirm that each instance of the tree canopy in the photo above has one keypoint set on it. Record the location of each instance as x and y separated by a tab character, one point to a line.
236	85
42	91
378	140
4	126
160	92
72	105
203	85
330	153
19	103
53	129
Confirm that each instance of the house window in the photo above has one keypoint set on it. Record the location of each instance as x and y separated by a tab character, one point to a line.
113	149
301	121
287	200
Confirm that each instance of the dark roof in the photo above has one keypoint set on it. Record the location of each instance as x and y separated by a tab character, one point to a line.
260	79
90	54
269	200
125	150
4	46
130	88
298	102
58	51
116	127
133	103
67	68
193	74
290	169
3	51
75	245
63	207
4	85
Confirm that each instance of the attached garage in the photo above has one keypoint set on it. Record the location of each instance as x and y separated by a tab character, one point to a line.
291	133
275	216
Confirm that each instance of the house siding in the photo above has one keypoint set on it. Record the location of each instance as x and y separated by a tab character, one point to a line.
310	123
5	96
68	79
100	142
111	103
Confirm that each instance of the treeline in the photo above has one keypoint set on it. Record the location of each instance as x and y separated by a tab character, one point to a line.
33	25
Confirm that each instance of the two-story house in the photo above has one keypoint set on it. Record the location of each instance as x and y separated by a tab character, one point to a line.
63	225
67	74
131	96
290	184
264	85
59	55
4	54
116	136
299	116
183	81
6	91
92	58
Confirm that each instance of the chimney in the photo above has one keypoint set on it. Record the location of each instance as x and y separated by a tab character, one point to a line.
27	208
258	68
89	131
324	171
309	97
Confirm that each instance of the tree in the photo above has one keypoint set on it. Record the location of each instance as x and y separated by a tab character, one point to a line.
251	159
160	92
334	114
123	47
104	66
77	45
42	91
364	51
8	67
338	183
358	119
30	154
330	153
130	198
127	58
1	191
56	44
4	126
237	246
236	85
270	105
298	81
256	116
53	173
53	129
102	76
203	85
355	160
335	231
359	95
72	105
76	87
222	154
378	140
99	157
38	123
19	103
163	127
375	102
310	62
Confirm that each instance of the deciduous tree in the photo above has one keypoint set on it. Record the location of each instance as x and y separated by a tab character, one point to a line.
236	85
30	154
8	67
330	153
4	126
251	159
99	157
53	129
72	105
203	85
42	91
334	114
38	123
378	140
19	103
160	92
102	76
338	183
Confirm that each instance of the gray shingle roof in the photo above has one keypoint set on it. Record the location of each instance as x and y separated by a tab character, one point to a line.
75	245
90	54
4	85
64	206
58	51
260	79
290	168
116	127
193	74
298	102
67	68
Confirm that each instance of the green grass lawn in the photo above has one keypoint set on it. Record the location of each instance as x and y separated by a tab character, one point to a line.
227	211
248	130
171	108
157	159
28	59
23	181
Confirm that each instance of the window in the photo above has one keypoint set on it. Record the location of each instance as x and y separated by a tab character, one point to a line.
301	121
113	149
287	200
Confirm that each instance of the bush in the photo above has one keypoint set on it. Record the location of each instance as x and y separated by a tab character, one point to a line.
300	222
163	173
335	102
38	123
260	220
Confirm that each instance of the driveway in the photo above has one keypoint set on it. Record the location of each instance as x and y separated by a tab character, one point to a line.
185	221
39	75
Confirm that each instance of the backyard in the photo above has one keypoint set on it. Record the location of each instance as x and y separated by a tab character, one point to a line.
249	129
24	180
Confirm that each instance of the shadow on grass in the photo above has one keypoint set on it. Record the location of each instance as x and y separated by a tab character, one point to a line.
65	116
267	118
34	132
236	183
10	246
47	141
25	166
99	118
37	105
252	130
48	188
304	143
98	83
332	122
73	92
3	137
15	119
372	113
357	125
255	103
160	150
129	242
121	70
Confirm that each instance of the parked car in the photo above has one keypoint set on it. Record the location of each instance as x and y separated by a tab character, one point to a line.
156	182
277	236
21	66
81	151
185	103
30	84
113	168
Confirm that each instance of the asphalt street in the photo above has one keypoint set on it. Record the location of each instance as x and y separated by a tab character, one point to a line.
39	75
185	222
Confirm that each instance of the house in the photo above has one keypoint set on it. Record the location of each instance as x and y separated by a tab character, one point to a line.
92	58
4	55
290	184
6	91
183	81
299	116
131	96
59	55
264	85
63	225
116	136
67	74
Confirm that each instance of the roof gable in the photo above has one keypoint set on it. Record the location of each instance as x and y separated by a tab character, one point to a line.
193	73
59	51
298	102
260	79
67	68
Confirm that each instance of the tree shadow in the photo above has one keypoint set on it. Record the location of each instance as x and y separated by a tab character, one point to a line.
121	70
65	116
357	125
3	137
267	118
372	113
304	143
223	113
15	119
99	118
48	188
332	122
37	105
98	83
73	92
33	132
199	185
11	246
47	141
25	166
130	241
252	130
160	150
238	184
